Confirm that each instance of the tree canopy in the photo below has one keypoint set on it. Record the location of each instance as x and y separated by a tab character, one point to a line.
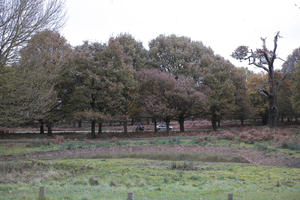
176	79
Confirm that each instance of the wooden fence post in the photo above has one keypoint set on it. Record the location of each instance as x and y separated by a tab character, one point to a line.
230	196
42	193
130	196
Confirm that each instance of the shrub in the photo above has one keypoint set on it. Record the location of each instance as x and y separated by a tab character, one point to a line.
200	141
174	141
59	139
206	138
112	183
186	165
281	138
263	147
93	181
292	145
254	135
226	135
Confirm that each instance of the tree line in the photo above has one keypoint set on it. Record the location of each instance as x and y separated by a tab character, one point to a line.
175	79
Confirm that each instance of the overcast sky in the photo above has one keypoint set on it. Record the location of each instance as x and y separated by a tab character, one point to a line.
220	24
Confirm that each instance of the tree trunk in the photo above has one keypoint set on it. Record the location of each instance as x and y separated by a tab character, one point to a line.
42	127
99	127
125	126
93	127
155	124
214	124
242	121
265	118
219	122
273	111
214	118
79	123
181	123
168	125
49	127
214	121
132	121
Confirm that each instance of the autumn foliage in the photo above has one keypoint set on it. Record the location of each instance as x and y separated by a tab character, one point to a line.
177	79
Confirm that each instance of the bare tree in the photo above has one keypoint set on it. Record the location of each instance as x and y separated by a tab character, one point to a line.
264	58
21	19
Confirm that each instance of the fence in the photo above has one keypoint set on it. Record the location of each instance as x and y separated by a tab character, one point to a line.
130	196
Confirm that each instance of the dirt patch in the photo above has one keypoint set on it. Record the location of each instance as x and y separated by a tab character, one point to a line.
250	156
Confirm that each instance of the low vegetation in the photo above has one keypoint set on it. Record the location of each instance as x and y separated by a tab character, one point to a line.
113	178
250	163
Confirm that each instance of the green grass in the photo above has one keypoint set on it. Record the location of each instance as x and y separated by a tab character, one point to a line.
173	156
45	145
148	179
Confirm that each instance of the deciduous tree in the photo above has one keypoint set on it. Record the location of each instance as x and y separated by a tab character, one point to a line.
134	53
178	55
217	78
41	62
187	99
255	83
89	97
8	103
242	109
21	19
155	90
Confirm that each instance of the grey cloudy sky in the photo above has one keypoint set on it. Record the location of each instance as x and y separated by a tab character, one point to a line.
222	25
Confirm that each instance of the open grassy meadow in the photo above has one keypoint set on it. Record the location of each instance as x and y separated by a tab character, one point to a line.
175	167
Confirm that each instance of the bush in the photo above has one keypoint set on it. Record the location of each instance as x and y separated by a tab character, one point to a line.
200	141
227	135
292	145
206	138
263	147
173	141
73	146
93	181
186	165
254	135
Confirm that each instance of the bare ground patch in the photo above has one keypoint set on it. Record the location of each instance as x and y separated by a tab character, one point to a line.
245	155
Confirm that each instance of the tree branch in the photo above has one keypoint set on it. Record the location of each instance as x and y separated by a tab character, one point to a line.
275	47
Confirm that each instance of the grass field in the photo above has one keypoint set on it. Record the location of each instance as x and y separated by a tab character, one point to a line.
148	179
170	168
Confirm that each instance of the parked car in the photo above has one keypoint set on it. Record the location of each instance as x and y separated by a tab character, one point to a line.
139	127
163	127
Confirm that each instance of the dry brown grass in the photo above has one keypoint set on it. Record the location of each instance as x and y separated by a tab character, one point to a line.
10	145
59	139
259	134
228	135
